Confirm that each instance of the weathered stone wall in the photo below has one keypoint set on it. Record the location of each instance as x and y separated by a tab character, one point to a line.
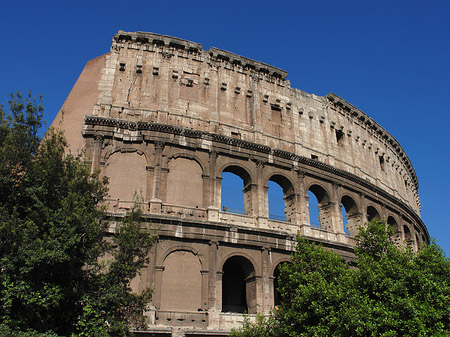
164	119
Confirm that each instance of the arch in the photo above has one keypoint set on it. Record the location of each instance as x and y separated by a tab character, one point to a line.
239	170
181	286
125	149
190	157
418	241
161	257
238	285
125	180
230	195
288	200
372	213
184	182
323	206
408	236
395	228
351	219
241	254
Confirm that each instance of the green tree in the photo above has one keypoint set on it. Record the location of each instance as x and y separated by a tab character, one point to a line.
59	270
390	291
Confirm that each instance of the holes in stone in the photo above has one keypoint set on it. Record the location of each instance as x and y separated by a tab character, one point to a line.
158	43
381	159
138	69
313	156
235	135
122	66
339	137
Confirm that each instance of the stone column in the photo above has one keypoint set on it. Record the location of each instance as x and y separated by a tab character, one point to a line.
362	202
98	144
267	296
302	200
336	212
212	279
158	286
155	202
214	189
205	289
259	206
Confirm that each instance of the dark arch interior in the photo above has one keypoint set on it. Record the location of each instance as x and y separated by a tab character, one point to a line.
276	277
237	284
349	205
391	221
407	233
372	213
320	193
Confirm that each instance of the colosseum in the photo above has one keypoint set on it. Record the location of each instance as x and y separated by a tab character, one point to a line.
167	121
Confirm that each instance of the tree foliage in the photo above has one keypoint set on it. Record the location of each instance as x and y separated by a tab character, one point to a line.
58	270
390	291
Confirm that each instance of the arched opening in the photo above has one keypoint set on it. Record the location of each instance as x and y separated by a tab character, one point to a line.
319	208
350	215
238	286
372	213
276	278
397	238
236	191
408	236
281	199
419	242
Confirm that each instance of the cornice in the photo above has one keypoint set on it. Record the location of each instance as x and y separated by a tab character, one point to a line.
377	129
196	134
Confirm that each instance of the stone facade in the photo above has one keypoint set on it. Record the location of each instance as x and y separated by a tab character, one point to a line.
163	119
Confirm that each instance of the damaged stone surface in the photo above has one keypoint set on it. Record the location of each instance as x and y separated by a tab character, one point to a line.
163	119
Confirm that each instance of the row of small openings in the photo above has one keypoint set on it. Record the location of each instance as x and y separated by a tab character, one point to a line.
139	69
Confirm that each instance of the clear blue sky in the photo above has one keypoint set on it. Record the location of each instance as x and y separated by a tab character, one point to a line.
391	59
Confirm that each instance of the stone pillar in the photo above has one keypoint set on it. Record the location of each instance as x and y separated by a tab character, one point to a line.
383	214
212	276
158	286
205	190
98	144
260	207
155	202
302	200
212	179
354	222
205	289
307	220
214	188
267	295
362	202
336	212
326	216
